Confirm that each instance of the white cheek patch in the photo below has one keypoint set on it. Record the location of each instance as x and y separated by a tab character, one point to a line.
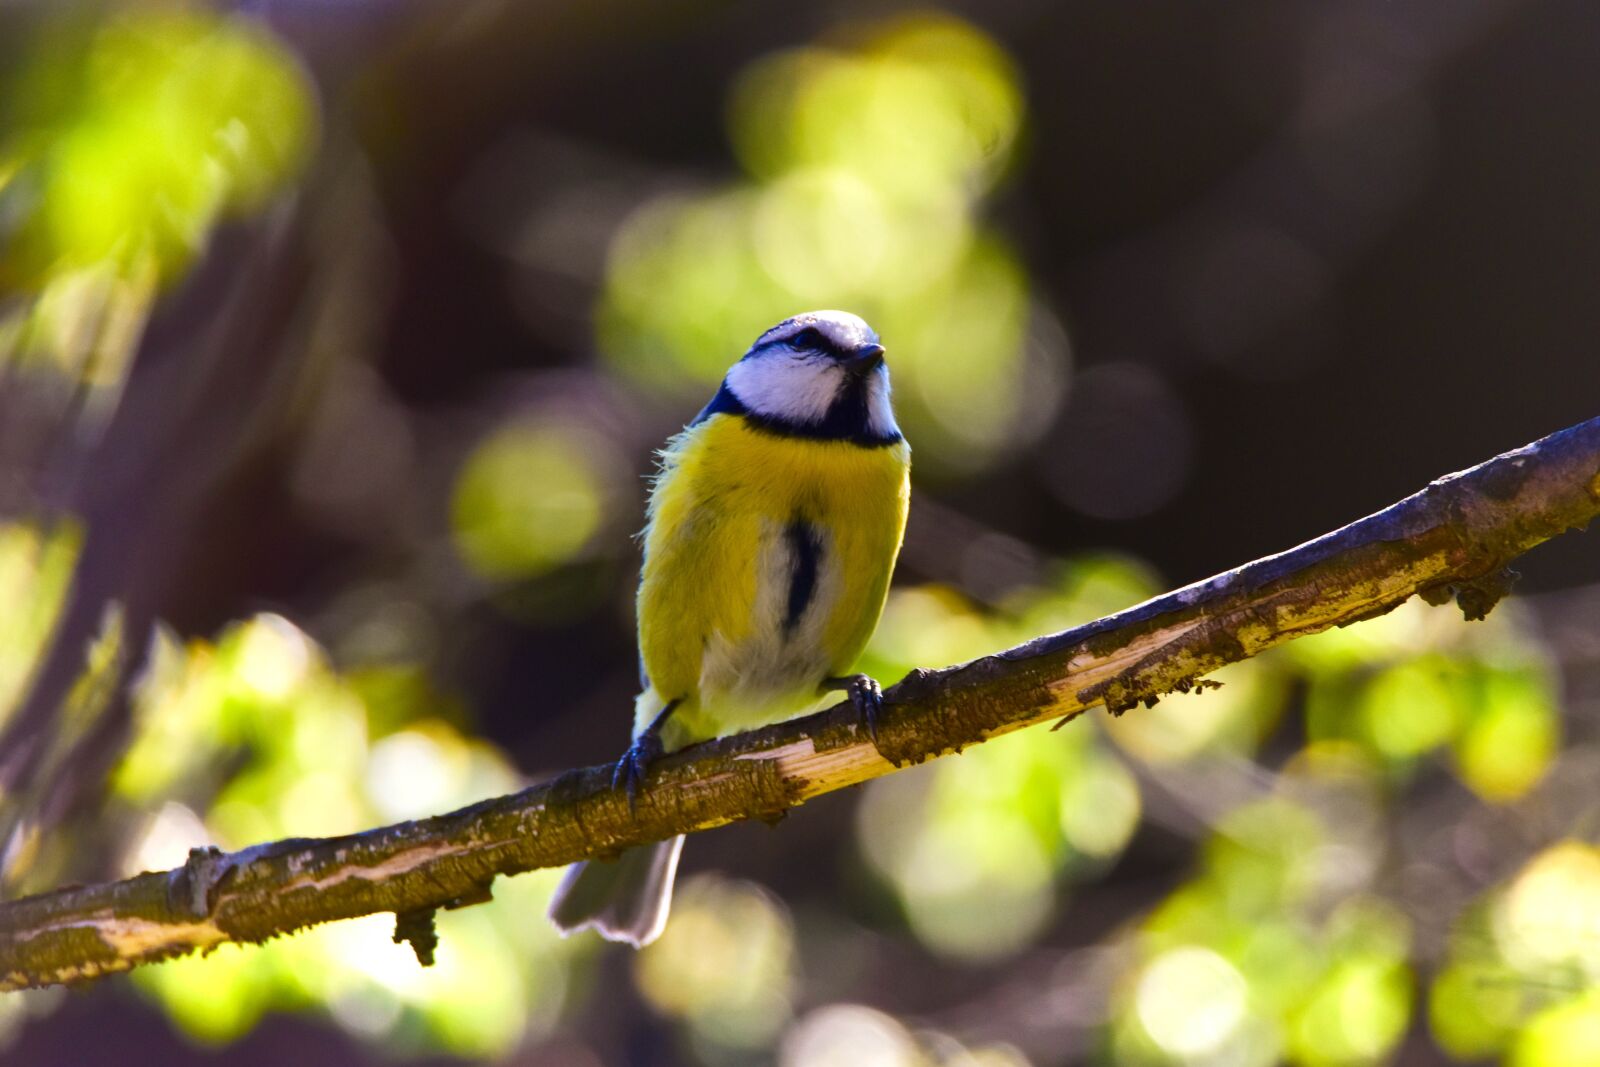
880	412
782	387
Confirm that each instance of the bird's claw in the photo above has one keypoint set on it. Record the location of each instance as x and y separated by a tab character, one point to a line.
866	696
631	768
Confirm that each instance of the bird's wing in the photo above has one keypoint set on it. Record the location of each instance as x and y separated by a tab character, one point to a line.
699	574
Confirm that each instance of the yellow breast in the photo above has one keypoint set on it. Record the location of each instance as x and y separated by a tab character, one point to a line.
729	519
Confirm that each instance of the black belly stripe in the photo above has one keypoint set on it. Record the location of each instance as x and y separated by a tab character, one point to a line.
805	556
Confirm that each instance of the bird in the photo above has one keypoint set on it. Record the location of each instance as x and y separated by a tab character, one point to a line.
773	527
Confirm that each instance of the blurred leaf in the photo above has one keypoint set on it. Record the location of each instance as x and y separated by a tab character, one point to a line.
973	846
1414	707
1357	1013
1266	854
1099	807
262	729
1192	1002
1523	963
528	499
1548	919
1312	984
1566	1034
922	100
1514	737
1474	1008
725	963
215	998
134	141
1419	680
36	564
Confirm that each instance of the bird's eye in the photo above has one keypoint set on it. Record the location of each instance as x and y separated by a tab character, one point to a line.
810	337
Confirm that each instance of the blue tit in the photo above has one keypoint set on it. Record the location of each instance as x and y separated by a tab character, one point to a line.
773	529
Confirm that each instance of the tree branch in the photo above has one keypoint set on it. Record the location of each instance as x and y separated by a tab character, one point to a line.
1453	539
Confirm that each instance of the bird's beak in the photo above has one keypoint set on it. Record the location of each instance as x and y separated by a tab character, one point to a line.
864	359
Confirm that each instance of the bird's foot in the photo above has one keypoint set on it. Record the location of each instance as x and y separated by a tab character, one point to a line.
631	768
866	696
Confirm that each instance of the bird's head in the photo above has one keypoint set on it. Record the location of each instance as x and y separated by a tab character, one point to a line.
819	374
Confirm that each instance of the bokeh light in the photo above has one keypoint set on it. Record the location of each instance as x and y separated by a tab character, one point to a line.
853	1035
169	121
285	746
1191	1001
1274	952
1231	719
725	964
976	848
529	498
849	1034
1418	682
36	564
1522	965
129	140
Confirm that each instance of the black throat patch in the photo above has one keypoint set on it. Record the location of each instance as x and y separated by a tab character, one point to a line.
846	419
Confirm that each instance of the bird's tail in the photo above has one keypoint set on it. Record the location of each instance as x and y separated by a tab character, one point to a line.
625	899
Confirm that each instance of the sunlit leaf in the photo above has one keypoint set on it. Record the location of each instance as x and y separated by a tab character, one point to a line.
1511	741
1356	1015
1415	706
725	963
1566	1034
36	564
528	499
1474	1008
173	121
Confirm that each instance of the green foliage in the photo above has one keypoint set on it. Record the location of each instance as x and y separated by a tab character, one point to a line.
1422	682
975	848
135	136
124	142
530	498
725	966
262	735
1266	956
1522	965
35	568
